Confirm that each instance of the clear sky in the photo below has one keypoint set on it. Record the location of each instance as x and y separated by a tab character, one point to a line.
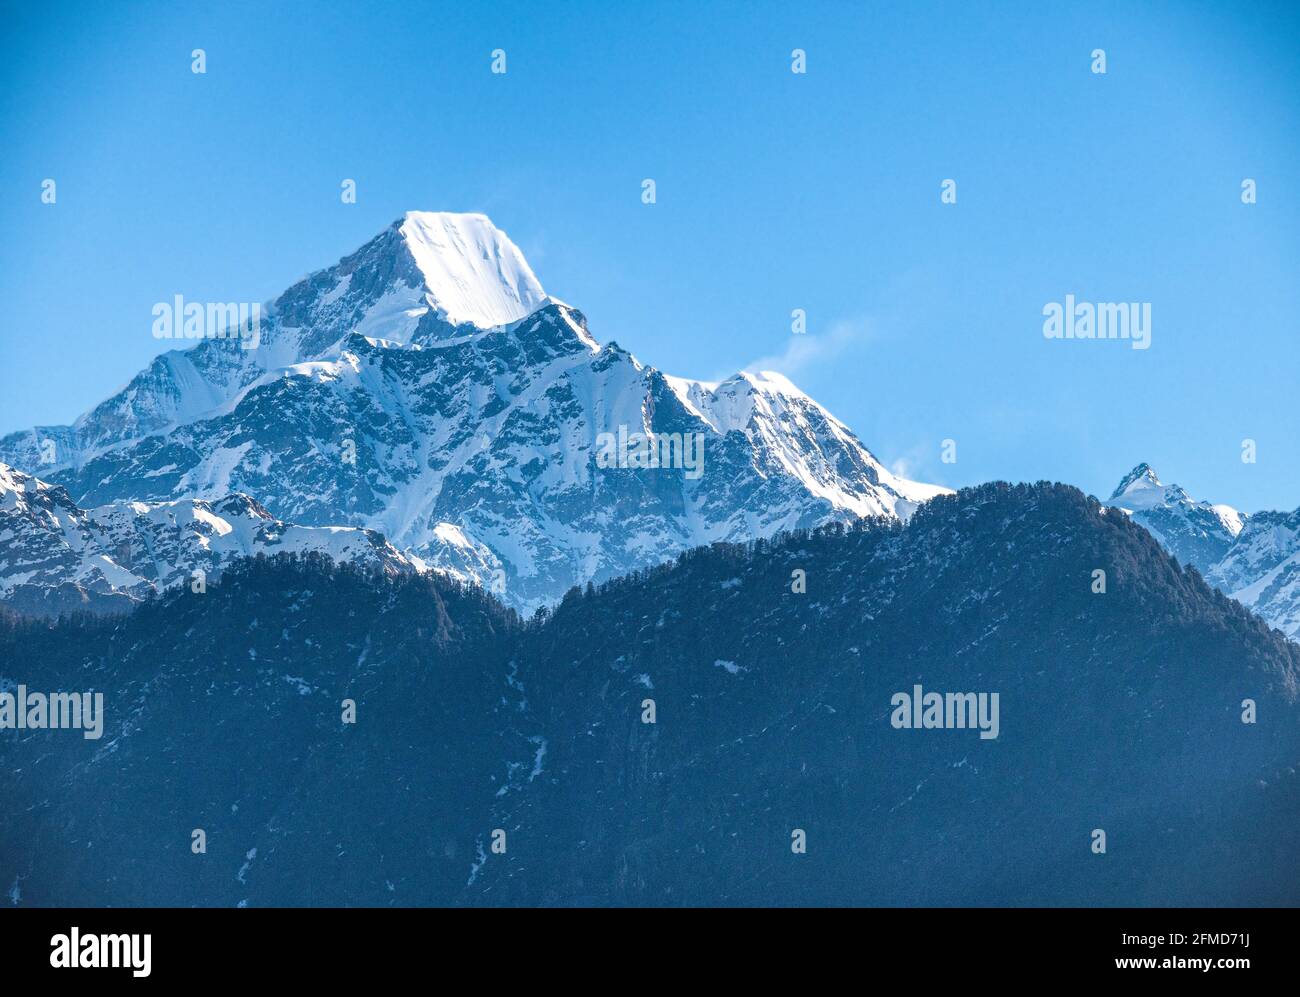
775	191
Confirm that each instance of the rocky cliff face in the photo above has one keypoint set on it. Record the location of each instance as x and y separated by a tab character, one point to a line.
56	557
1262	569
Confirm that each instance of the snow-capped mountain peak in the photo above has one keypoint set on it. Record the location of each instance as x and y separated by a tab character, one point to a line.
425	387
1141	483
1195	532
472	273
1255	559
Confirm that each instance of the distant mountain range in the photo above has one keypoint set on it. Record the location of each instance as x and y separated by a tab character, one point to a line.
497	762
427	388
58	558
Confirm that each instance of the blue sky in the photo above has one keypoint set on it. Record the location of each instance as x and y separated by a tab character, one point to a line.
776	191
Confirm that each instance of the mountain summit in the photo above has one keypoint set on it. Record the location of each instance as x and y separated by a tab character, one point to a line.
427	388
1140	481
1197	533
473	274
1253	558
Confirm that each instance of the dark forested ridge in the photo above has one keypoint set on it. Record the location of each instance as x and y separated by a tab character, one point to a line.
1119	711
224	713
